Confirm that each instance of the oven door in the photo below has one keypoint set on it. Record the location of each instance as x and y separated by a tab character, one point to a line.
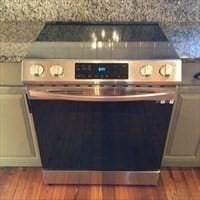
101	129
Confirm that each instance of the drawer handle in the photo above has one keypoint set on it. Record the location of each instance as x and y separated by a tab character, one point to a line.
197	76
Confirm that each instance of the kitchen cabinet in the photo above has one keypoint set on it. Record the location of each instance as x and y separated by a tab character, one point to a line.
18	146
183	144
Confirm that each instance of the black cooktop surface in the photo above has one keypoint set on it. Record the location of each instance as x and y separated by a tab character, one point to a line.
59	31
123	41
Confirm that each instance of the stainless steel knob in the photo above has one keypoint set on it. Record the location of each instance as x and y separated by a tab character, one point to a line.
166	70
37	70
146	70
56	70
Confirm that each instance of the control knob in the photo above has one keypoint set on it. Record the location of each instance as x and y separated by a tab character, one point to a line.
166	70
56	70
37	70
146	70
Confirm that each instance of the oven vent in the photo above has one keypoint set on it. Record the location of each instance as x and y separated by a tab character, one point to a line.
70	92
79	92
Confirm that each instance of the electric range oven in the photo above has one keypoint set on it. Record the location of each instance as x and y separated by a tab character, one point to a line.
101	113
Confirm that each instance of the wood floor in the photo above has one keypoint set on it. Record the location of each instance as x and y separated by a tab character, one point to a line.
26	184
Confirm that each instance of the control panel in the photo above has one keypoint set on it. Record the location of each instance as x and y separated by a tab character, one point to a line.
64	71
101	71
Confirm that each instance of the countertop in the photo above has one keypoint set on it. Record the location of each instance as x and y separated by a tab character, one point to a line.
16	39
101	10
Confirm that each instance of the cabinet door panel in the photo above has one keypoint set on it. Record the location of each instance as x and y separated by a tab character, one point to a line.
183	143
13	127
187	127
17	143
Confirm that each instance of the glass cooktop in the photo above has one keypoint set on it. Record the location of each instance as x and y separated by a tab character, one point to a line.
123	41
59	31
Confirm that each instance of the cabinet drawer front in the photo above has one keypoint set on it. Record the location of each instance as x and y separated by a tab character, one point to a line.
10	74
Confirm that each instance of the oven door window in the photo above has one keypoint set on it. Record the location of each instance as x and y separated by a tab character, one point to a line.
102	136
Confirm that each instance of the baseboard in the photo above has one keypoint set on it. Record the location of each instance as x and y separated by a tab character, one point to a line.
174	161
20	162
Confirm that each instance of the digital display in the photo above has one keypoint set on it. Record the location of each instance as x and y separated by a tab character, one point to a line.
101	70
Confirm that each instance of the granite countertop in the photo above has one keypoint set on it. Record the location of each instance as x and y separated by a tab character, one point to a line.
101	10
185	38
16	39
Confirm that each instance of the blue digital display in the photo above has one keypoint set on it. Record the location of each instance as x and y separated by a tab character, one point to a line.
101	68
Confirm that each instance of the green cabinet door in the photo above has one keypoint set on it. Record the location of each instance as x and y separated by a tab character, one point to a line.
183	144
18	146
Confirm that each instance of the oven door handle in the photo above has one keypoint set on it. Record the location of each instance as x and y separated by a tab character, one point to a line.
47	95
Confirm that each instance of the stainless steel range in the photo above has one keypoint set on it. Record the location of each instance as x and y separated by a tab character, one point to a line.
101	97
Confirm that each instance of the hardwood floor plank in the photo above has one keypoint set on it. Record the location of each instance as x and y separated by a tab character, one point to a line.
46	191
121	193
83	192
138	192
192	184
36	183
96	193
159	190
23	178
71	192
1	180
108	192
58	192
9	183
196	173
31	189
181	186
169	184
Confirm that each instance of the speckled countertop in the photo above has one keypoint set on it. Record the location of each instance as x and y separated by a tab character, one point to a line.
185	38
16	39
100	10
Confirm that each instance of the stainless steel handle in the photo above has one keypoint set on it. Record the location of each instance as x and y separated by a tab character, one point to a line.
168	95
